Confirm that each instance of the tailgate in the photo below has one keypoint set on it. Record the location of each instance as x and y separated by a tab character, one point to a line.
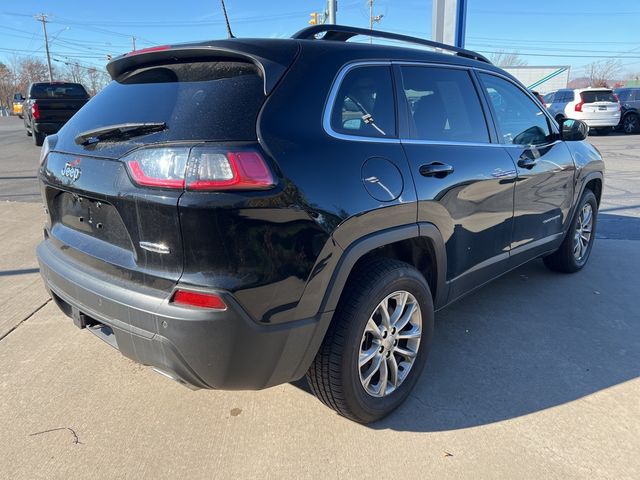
58	110
599	102
100	218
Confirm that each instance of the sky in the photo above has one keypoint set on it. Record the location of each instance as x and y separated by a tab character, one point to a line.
544	32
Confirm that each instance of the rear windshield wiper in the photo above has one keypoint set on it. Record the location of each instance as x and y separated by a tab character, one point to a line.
120	131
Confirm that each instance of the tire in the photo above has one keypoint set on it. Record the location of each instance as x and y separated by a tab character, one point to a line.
38	138
565	259
631	123
335	375
559	118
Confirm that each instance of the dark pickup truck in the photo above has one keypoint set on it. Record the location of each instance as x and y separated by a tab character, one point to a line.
49	105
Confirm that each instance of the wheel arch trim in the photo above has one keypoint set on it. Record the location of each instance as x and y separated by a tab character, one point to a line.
357	249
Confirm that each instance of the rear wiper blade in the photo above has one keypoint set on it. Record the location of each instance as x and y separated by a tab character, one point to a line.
119	131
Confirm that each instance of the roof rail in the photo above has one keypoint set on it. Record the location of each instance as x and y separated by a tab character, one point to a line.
342	33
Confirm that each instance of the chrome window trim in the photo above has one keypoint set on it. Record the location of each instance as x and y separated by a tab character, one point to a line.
337	82
413	141
330	103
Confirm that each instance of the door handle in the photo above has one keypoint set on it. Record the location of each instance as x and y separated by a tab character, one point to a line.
436	169
526	162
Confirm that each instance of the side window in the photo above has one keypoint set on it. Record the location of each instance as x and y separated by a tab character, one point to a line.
443	105
549	98
563	97
365	104
519	119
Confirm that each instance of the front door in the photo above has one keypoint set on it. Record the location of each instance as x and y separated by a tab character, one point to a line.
544	188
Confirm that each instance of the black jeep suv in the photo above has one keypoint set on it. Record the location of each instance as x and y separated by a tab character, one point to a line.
240	213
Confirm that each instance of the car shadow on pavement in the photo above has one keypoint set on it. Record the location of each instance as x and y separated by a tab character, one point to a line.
22	271
529	341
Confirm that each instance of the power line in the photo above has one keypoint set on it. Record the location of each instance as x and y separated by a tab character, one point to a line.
535	41
516	49
553	13
563	56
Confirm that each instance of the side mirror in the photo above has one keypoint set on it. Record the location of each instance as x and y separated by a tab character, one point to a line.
573	130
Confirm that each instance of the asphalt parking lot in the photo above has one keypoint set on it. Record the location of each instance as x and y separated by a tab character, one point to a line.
533	376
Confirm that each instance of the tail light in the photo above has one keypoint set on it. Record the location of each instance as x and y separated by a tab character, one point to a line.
228	170
48	145
198	299
580	104
199	168
618	100
35	111
159	167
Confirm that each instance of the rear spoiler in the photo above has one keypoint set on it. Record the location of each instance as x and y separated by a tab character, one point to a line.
271	68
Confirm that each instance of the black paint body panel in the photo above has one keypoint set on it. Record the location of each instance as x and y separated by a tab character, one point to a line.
281	256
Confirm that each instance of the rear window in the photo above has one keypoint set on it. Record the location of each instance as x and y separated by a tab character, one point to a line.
598	96
197	101
41	91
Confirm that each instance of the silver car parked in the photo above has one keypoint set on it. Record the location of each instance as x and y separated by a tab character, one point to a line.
599	108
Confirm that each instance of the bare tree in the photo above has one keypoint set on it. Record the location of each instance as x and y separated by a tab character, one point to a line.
507	59
633	76
32	69
7	86
74	73
601	73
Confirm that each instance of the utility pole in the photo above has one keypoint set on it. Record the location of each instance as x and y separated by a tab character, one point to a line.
373	18
133	41
332	9
43	18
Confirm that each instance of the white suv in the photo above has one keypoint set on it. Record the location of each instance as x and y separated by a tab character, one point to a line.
597	107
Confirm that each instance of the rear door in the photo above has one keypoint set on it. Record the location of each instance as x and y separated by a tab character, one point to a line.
464	180
544	188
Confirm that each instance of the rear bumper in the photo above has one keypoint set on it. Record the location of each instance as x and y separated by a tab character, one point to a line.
48	128
601	121
201	348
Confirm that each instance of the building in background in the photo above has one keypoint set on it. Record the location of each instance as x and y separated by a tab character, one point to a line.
542	79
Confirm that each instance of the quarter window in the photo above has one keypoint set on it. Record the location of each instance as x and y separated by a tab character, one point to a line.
365	103
519	119
443	105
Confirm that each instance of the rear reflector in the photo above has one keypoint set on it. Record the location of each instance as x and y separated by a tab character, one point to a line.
198	299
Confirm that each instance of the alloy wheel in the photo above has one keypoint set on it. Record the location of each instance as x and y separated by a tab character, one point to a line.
390	343
630	124
582	235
